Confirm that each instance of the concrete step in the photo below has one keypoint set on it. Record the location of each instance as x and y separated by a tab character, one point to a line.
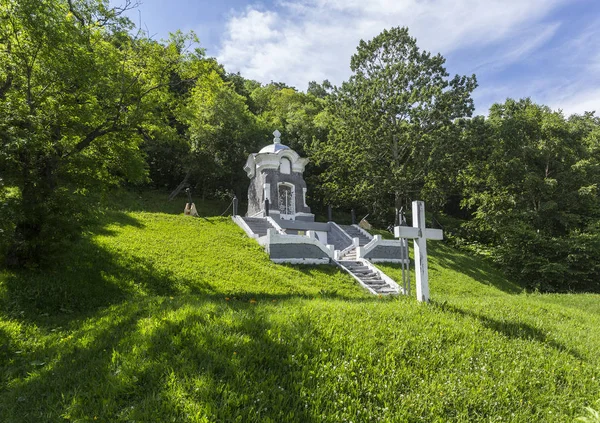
258	225
376	282
359	269
386	291
368	277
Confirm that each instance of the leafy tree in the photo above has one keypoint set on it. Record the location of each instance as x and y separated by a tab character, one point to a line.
319	90
386	121
222	132
75	89
531	179
166	139
290	111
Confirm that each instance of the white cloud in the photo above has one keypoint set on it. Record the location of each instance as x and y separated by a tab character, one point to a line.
579	102
253	27
521	46
314	39
575	87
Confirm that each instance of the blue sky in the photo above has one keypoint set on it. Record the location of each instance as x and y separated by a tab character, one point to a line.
548	50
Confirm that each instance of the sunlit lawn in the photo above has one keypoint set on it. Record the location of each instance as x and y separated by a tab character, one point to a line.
159	317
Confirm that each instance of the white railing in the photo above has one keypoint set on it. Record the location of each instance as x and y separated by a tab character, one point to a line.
341	230
340	254
242	224
362	231
378	241
260	212
278	228
392	283
383	276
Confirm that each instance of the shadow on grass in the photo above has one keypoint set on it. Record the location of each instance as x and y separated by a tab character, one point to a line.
156	201
6	346
473	267
161	360
512	330
112	217
89	277
112	344
86	278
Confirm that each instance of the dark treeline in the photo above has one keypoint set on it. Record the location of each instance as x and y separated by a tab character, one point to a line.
88	104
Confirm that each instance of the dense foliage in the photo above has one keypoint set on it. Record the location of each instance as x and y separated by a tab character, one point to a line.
530	178
87	103
387	121
76	90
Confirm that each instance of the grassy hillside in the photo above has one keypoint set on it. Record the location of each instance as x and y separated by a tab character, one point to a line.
154	316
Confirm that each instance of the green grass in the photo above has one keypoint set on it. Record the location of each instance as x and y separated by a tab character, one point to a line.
157	317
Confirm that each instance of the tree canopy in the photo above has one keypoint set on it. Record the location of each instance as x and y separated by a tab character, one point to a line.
88	102
77	89
387	120
530	178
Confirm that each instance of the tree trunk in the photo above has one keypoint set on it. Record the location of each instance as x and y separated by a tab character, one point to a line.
31	241
180	186
398	197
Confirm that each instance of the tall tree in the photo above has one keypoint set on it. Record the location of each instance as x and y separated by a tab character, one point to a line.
387	119
222	132
75	87
531	180
290	111
166	132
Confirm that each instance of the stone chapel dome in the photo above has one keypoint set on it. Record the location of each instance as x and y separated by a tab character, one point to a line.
274	148
276	182
270	157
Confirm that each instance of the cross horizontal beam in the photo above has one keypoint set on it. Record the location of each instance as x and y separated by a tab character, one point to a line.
414	233
420	234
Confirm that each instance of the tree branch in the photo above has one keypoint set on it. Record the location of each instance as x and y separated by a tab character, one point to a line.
90	137
76	13
6	86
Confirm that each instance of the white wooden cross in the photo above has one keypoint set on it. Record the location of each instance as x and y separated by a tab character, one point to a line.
420	234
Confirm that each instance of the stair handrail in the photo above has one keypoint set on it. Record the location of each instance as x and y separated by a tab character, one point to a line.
360	282
341	230
256	214
362	231
377	241
279	229
242	224
392	283
347	249
362	251
383	276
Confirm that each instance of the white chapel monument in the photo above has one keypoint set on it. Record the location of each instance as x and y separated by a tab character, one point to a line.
279	219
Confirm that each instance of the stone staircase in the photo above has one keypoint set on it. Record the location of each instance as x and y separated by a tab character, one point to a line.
338	238
366	274
354	232
258	225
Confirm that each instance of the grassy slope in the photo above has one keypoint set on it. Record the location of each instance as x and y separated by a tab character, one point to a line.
160	317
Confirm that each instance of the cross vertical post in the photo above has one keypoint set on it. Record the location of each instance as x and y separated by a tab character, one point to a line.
420	234
420	244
